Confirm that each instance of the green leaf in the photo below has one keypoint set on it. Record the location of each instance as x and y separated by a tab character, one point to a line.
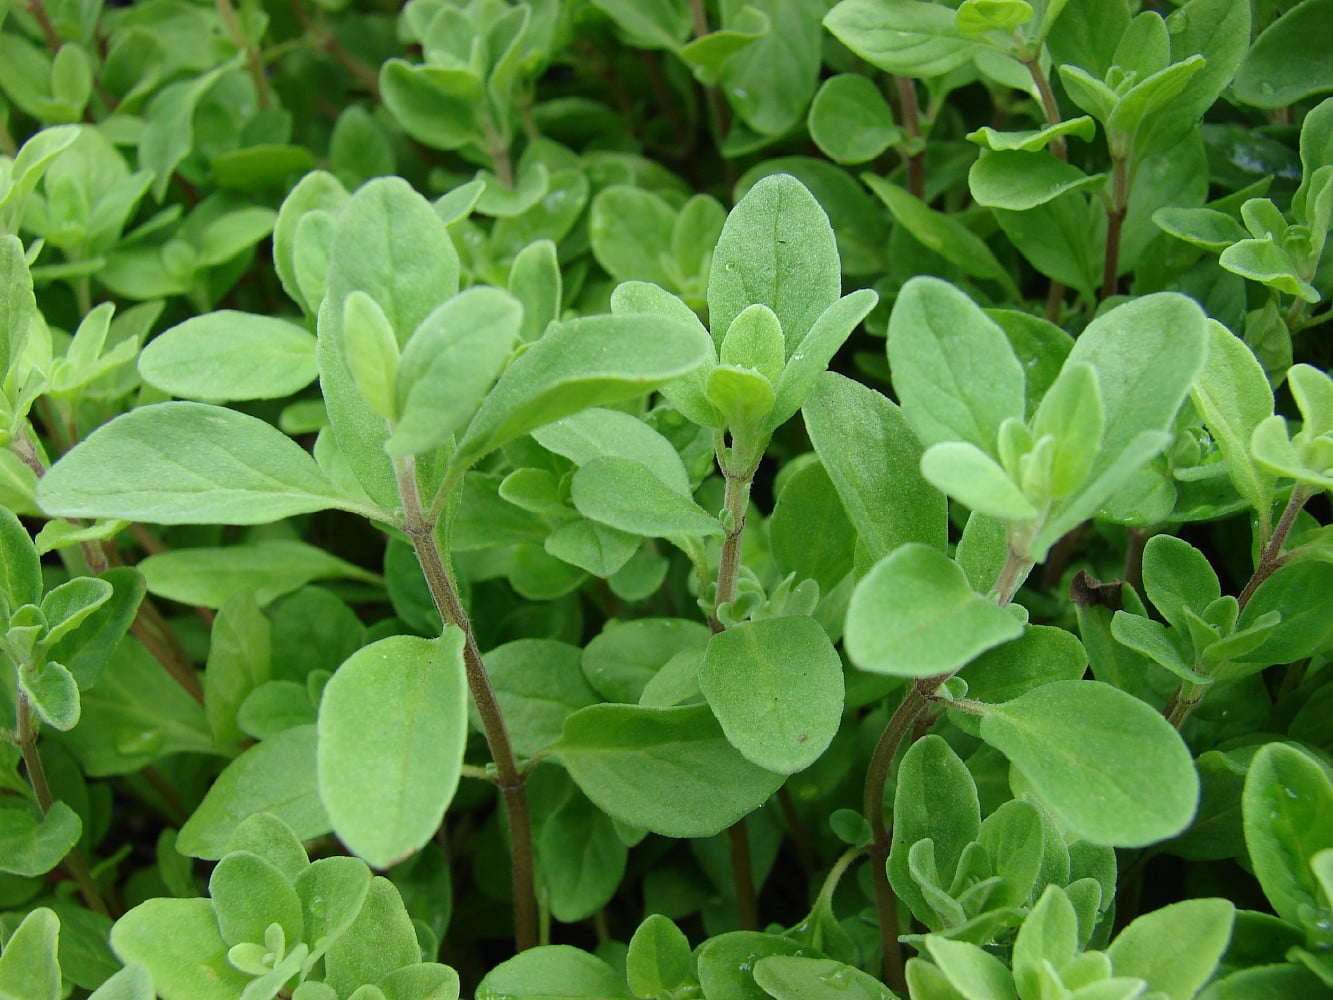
535	281
630	230
954	372
1032	141
726	962
976	974
659	958
577	364
28	966
620	661
387	776
317	191
1286	62
873	459
331	891
936	800
969	475
1043	653
370	351
130	983
791	977
777	249
1203	227
226	355
769	83
1018	179
240	659
582	857
825	556
776	687
1265	261
270	568
31	846
1233	396
668	770
1174	949
450	362
276	776
1288	814
1301	592
1177	576
1048	937
1106	764
18	307
539	683
66	606
1064	239
813	354
914	615
850	121
380	940
1146	353
743	397
596	432
267	836
944	234
248	895
626	495
435	105
21	569
552	972
909	38
1072	414
53	693
177	941
134	714
187	463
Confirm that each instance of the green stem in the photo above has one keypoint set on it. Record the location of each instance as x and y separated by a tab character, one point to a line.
509	777
736	501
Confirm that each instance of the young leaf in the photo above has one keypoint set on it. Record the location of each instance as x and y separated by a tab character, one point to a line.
580	363
812	355
668	770
177	941
776	687
248	894
969	475
53	693
370	351
873	458
387	776
1288	814
914	615
448	365
188	463
624	494
794	977
850	120
380	940
1109	766
954	372
659	957
222	356
776	249
20	569
936	800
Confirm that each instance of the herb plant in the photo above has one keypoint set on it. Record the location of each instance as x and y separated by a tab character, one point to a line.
666	500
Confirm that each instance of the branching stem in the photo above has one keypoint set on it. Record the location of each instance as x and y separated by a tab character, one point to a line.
509	777
1115	221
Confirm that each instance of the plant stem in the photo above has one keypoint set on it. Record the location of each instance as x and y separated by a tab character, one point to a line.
38	11
252	57
742	876
1048	106
805	854
716	104
26	737
877	776
510	779
1270	558
497	148
736	500
911	112
324	39
1115	220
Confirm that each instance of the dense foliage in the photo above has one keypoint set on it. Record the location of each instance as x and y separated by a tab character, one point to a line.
666	499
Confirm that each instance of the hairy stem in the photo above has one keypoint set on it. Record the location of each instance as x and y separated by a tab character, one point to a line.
510	779
1115	221
1270	558
911	112
729	564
